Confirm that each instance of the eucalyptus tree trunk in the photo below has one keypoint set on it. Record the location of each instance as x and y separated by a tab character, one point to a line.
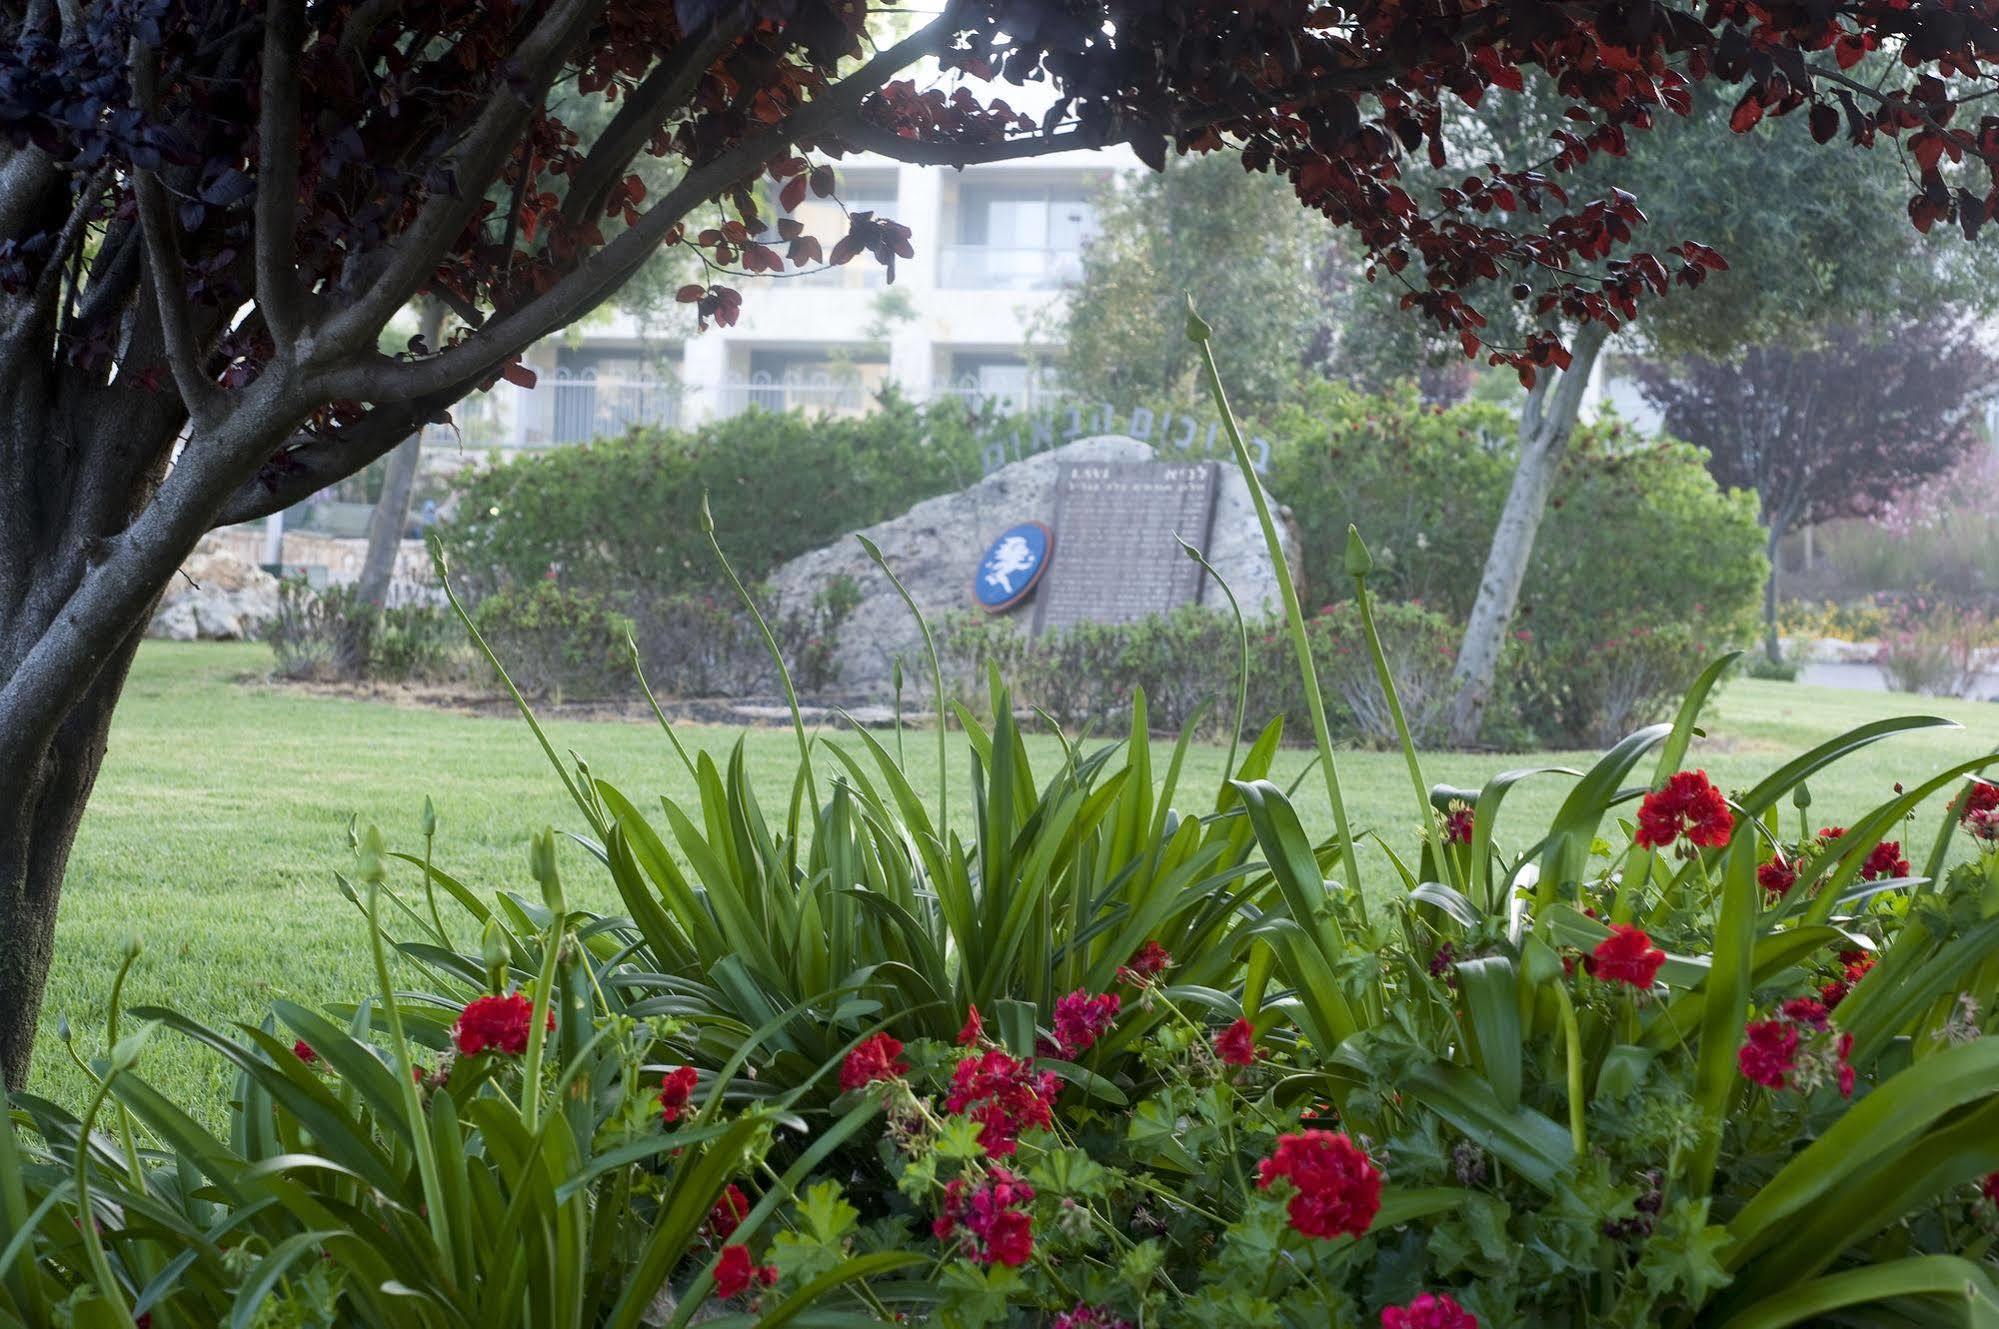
1546	424
392	510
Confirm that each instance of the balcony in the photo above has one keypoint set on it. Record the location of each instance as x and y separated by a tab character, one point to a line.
1001	268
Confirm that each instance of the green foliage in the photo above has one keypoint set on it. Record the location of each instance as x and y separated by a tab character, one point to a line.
1186	663
380	1173
620	516
571	643
1158	245
333	634
1642	569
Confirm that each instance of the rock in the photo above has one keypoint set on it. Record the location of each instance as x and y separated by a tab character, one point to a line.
216	596
935	546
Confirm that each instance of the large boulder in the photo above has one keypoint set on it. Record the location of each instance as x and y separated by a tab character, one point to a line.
216	596
936	545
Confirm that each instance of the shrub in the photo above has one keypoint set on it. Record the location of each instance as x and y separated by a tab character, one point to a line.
1140	1066
620	516
1187	662
1638	546
521	1149
1935	647
569	643
331	634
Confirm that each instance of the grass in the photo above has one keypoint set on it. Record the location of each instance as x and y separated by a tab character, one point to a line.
222	814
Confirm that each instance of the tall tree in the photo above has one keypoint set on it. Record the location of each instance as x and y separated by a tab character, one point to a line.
391	514
1234	240
1838	428
1806	236
209	211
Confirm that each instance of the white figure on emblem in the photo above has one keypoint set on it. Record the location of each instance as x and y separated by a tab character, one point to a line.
1010	557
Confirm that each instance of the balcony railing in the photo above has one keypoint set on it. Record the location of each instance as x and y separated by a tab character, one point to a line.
1009	399
568	406
1002	268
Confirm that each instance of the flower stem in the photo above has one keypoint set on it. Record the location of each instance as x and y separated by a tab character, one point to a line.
1294	615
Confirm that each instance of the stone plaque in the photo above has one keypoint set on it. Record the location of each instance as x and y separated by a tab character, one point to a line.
1115	556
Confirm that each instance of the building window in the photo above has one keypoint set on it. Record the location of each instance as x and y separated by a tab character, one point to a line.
1020	237
604	393
815	382
1006	383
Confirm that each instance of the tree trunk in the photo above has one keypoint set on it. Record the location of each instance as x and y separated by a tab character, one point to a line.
1772	648
392	510
1546	423
39	814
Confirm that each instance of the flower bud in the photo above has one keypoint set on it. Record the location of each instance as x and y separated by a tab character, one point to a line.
541	862
1359	561
494	946
1197	327
427	822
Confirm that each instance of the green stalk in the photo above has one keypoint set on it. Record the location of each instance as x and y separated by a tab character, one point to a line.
776	655
371	873
541	860
1199	332
1359	564
437	562
133	1167
86	1216
1573	1039
936	681
1242	668
639	669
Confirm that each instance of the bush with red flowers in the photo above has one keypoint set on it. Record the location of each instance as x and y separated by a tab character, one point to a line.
496	1024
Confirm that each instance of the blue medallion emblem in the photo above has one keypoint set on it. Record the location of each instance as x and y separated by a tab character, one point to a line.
1012	566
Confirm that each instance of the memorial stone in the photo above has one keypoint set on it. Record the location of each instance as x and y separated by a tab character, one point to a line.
1116	559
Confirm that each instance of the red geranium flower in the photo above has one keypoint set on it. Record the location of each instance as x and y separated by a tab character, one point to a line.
1085	1316
1458	825
993	1217
1846	1075
1804	1010
973	1030
1770	1052
1081	1019
1884	860
1430	1310
729	1212
735	1271
1777	877
305	1052
1236	1045
676	1092
1150	961
876	1058
496	1023
1990	1186
1627	955
1981	810
1004	1095
1336	1187
1688	805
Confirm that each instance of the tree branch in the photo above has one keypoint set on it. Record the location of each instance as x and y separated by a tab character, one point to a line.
498	128
375	378
50	278
277	171
926	152
669	85
161	233
319	460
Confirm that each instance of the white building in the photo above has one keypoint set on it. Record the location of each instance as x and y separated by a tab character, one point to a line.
995	248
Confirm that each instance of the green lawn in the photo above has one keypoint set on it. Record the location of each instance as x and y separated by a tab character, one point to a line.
222	811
